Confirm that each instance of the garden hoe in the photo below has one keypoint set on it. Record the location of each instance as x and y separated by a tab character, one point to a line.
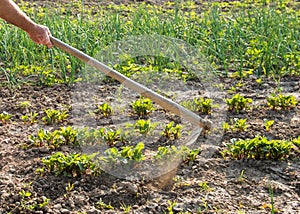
141	89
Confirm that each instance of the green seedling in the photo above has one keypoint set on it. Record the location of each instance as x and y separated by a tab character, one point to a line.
105	109
238	103
101	205
5	117
259	148
55	139
201	105
144	126
25	104
268	124
30	118
236	124
280	101
111	136
296	142
172	132
172	204
54	116
204	186
71	165
126	208
142	107
69	189
126	154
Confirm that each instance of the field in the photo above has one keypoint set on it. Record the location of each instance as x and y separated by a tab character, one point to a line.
73	140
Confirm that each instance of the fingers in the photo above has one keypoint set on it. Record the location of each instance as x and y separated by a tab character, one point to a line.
41	35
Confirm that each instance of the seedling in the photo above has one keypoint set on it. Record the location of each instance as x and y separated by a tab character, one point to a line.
110	136
238	103
30	118
172	132
25	104
5	117
236	125
127	154
101	205
201	105
144	126
71	165
142	107
69	189
259	148
105	109
204	186
126	208
281	101
171	205
54	116
268	124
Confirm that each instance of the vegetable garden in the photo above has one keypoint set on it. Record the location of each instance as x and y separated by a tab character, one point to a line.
123	153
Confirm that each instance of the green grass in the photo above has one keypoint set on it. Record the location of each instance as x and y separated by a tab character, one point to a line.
236	37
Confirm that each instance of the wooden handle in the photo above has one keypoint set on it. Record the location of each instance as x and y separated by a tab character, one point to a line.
144	91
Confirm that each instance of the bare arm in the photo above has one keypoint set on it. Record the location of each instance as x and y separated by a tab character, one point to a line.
10	12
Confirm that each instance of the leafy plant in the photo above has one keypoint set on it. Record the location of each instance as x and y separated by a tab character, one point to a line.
281	101
296	142
5	117
71	165
144	126
201	105
101	205
172	132
30	118
126	154
110	136
25	104
236	125
54	116
268	124
142	106
55	139
259	148
238	103
105	109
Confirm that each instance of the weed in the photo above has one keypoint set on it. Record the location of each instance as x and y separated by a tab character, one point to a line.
171	205
204	186
69	189
142	107
25	104
238	103
126	208
281	101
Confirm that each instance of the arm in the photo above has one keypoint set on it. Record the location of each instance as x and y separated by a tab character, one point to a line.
10	12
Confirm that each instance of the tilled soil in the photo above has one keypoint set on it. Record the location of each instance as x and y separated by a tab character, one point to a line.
232	185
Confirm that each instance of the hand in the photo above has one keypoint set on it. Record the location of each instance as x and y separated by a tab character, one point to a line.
40	34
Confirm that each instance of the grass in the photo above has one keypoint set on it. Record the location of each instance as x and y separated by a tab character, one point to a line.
236	37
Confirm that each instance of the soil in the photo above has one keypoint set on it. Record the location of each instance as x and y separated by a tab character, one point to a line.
210	184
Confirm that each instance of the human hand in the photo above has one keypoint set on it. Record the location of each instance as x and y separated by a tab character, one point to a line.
40	34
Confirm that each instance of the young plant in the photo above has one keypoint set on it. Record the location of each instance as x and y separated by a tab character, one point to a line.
101	205
30	118
238	103
54	116
25	104
201	105
110	136
144	126
172	132
142	107
268	124
5	117
126	154
105	109
71	165
259	148
282	101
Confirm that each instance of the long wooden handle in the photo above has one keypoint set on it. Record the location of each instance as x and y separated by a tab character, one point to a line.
144	91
